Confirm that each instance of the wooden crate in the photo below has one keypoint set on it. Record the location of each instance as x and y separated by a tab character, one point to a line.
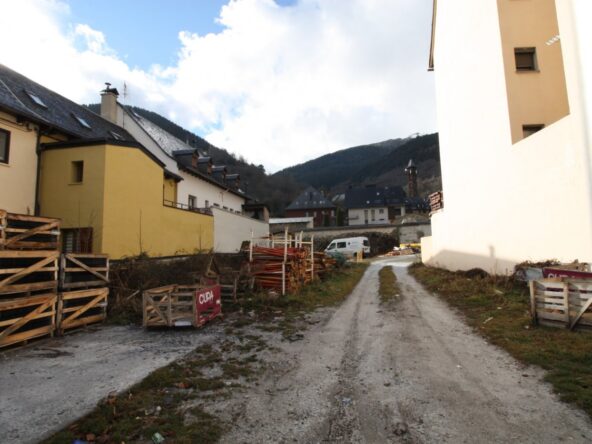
170	306
23	232
81	308
24	273
26	318
561	302
78	271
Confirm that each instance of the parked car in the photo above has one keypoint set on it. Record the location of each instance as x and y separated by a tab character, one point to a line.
349	246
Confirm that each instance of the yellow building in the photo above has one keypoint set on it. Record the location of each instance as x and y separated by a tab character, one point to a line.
514	106
59	159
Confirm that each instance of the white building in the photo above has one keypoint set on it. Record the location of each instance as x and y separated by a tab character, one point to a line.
514	97
193	182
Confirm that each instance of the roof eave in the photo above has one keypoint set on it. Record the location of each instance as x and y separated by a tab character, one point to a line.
433	36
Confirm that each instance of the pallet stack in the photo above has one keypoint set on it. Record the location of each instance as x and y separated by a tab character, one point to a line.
29	264
84	280
436	201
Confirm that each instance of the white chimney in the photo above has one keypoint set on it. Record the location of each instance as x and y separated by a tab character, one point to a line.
109	103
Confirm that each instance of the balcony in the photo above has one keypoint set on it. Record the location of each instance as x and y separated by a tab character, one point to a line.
185	207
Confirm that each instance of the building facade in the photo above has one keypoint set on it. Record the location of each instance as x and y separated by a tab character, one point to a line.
513	90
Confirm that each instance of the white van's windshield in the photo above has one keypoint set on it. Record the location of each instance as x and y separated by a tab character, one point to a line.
331	246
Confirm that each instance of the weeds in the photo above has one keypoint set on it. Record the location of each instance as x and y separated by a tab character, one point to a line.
498	308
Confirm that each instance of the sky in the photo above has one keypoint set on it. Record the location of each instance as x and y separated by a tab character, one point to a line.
277	82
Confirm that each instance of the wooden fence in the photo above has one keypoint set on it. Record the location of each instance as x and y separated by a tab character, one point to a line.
561	302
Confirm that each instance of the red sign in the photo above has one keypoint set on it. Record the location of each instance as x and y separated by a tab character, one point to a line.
550	272
208	304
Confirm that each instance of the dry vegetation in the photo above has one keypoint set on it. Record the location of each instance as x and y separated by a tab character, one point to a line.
498	308
388	289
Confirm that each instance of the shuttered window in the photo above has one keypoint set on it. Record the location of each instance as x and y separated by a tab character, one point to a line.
4	145
77	240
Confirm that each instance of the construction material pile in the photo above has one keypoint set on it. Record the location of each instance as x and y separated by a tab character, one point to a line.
282	269
323	263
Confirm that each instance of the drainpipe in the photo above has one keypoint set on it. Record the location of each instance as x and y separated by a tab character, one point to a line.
38	173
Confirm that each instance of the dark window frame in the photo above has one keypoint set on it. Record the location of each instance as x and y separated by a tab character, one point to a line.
77	171
191	202
530	67
6	158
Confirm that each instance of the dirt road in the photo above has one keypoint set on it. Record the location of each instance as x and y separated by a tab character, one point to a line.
410	373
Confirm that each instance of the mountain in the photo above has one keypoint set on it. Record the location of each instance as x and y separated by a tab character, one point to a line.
381	163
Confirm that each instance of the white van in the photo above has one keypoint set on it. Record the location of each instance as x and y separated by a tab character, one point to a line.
349	246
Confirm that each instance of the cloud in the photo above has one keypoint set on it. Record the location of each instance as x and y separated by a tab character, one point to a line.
278	85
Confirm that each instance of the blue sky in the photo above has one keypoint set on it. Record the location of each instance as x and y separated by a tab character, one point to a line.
146	32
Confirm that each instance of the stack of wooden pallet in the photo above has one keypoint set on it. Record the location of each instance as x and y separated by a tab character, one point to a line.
436	201
83	290
29	263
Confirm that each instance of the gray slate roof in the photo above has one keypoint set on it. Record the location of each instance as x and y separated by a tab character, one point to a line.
372	197
310	199
169	143
58	111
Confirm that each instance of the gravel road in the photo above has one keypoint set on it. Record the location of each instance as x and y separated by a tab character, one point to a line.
412	373
46	386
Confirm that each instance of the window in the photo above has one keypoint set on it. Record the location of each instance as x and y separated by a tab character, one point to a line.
381	211
331	246
525	59
373	214
192	202
529	130
77	171
341	245
207	204
83	123
36	99
77	240
4	145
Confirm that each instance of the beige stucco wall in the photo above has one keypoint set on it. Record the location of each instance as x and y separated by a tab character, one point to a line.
204	190
356	216
534	97
18	177
504	203
231	230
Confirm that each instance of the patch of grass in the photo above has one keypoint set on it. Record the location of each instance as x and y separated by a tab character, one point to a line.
498	308
388	289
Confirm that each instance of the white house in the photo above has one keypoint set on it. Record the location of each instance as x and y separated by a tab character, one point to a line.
514	106
193	182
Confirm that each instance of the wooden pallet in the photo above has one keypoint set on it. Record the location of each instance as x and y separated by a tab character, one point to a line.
170	306
81	308
560	302
23	232
79	271
24	273
26	318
